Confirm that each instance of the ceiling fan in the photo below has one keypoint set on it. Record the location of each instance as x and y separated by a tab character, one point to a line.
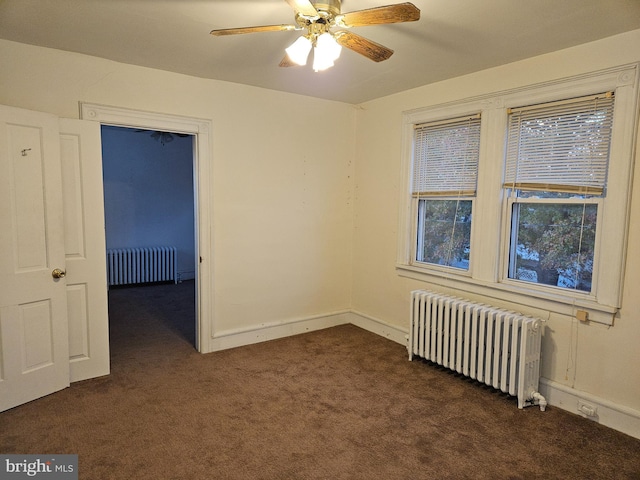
326	31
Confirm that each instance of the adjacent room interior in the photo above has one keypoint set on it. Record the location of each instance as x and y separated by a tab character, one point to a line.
149	209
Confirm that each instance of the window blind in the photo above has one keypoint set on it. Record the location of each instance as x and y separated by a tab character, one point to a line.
560	146
446	155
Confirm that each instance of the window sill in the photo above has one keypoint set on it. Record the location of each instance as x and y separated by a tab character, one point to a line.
531	301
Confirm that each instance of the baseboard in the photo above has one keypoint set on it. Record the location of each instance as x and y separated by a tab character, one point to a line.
237	338
600	410
392	332
226	339
184	276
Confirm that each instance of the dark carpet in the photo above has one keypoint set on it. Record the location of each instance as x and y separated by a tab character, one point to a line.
340	403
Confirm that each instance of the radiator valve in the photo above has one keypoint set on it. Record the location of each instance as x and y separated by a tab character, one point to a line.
540	401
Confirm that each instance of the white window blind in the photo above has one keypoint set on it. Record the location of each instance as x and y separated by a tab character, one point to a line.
446	157
560	146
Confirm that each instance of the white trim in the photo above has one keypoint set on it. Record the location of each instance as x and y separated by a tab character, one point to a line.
379	327
240	337
226	339
607	413
110	115
530	301
202	129
270	331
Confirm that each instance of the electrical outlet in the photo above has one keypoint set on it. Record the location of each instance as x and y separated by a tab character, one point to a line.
587	409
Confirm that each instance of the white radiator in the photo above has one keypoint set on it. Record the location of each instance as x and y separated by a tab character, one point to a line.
491	345
141	265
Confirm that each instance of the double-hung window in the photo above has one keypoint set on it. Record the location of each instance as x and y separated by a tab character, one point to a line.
555	178
445	170
523	195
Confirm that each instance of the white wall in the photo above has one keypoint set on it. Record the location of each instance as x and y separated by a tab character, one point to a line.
594	359
294	237
149	195
282	211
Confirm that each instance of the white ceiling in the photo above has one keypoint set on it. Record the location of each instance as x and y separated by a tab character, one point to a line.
452	38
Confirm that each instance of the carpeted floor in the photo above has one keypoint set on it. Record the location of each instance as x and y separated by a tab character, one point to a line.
340	403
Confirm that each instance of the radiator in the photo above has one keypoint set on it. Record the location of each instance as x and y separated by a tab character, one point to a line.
493	346
141	265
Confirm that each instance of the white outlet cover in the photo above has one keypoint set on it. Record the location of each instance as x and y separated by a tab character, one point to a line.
587	409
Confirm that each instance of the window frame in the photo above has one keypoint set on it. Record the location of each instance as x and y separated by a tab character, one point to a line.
465	192
489	257
513	199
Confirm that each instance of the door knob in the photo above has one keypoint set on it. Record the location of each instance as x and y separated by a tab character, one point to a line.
57	273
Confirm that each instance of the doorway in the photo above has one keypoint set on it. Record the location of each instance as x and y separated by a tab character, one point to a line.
201	130
148	179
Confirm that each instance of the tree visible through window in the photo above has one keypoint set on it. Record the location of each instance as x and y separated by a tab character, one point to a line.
554	244
556	170
444	229
444	184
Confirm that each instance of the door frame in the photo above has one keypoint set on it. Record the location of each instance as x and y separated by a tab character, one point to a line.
201	129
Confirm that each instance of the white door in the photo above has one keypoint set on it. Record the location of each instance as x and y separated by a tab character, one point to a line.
34	342
83	207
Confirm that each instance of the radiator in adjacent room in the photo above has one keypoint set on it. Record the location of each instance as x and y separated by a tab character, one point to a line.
141	265
488	344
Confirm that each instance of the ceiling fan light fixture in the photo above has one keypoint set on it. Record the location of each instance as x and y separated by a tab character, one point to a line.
299	50
326	51
319	18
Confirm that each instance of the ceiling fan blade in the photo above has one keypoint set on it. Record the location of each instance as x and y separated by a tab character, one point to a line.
363	46
287	62
304	7
264	28
401	12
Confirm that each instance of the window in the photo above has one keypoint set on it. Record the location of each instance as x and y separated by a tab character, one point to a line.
555	177
444	184
523	196
553	243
